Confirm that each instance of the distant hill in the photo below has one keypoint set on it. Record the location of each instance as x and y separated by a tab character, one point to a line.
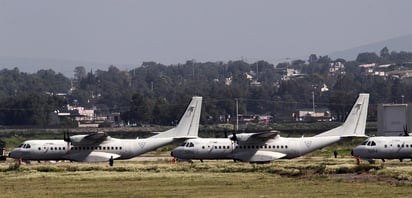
402	43
32	65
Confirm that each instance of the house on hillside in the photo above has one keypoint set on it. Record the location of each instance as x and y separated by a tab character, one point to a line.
87	118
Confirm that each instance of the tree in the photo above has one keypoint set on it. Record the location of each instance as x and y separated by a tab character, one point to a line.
384	53
79	72
367	57
313	59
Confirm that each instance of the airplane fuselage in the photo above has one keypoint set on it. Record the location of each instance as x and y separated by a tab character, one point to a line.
390	147
224	148
61	150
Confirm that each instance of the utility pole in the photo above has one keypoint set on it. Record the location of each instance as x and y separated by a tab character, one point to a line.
313	102
237	115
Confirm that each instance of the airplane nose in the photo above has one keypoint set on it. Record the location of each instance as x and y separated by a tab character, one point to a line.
14	154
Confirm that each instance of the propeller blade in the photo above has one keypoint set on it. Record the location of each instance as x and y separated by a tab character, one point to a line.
66	137
233	138
405	130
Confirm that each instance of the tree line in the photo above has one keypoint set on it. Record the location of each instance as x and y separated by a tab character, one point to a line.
158	94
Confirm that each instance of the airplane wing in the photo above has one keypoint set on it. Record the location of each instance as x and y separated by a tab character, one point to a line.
246	138
94	156
265	135
90	139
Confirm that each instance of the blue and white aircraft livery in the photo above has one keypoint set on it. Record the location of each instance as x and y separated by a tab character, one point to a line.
267	146
99	147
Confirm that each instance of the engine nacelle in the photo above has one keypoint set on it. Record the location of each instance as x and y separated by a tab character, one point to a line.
77	139
241	137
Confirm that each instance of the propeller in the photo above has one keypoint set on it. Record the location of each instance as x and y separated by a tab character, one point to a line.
405	130
66	137
234	137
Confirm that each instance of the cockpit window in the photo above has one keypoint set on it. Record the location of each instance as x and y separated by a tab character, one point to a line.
21	145
28	146
189	144
183	144
369	143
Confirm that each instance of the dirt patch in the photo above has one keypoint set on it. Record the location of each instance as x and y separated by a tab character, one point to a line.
365	177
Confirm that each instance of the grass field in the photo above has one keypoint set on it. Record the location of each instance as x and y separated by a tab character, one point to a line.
310	176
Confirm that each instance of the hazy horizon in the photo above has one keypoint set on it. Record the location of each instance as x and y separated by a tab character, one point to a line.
171	32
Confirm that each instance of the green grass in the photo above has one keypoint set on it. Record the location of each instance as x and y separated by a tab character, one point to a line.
301	177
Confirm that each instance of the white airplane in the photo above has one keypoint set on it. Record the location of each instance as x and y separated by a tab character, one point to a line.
385	147
99	147
264	147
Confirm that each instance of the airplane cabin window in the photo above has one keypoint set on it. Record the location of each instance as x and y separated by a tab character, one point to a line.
203	147
386	146
286	146
39	148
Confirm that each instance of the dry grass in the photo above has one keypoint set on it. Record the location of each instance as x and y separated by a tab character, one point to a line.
301	177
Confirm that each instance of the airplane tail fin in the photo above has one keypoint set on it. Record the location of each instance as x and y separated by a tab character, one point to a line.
188	126
355	123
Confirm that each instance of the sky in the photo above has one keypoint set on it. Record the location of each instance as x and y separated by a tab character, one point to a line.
172	32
